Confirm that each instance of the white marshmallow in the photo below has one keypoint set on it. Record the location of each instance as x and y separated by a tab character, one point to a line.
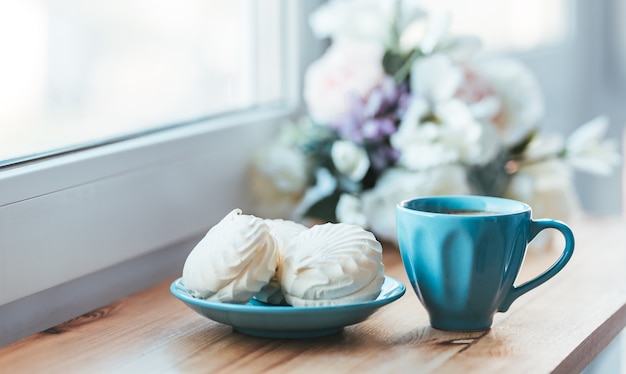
283	231
332	264
234	261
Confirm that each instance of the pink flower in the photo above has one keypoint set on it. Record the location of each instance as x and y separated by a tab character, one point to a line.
345	69
521	102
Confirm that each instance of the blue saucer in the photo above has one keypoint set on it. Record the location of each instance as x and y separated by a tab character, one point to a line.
286	322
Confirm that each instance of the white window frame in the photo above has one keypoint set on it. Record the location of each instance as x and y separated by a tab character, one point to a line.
85	215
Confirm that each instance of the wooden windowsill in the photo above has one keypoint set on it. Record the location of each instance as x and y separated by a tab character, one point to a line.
561	326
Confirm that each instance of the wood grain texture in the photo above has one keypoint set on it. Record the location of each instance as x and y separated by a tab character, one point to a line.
559	327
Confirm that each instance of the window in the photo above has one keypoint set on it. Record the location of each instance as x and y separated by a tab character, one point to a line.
510	25
83	210
78	73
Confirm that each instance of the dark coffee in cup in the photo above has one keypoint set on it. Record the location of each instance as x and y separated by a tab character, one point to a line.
470	212
463	212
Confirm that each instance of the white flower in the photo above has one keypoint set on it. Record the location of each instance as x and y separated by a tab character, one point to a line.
586	151
302	131
460	48
285	166
479	95
476	143
425	156
350	210
350	159
547	187
522	102
362	20
544	146
397	184
345	69
420	148
456	135
457	138
437	29
435	77
433	37
278	178
417	109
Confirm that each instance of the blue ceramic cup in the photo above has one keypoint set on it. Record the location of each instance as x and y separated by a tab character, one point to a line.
463	253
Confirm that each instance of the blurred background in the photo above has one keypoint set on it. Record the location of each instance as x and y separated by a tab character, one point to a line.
577	50
76	73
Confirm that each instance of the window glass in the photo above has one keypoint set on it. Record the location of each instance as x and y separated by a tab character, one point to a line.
509	25
76	72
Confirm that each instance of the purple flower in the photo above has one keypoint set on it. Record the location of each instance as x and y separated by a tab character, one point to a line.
371	120
374	118
383	156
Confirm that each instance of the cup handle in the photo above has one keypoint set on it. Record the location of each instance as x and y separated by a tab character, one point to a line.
535	227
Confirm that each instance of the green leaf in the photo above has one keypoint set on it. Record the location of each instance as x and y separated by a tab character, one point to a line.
520	147
491	179
399	64
324	209
392	61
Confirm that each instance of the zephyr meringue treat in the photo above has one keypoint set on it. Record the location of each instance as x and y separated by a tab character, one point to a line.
283	231
234	261
332	264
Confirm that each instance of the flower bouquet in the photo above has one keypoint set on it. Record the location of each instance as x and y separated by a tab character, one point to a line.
399	108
